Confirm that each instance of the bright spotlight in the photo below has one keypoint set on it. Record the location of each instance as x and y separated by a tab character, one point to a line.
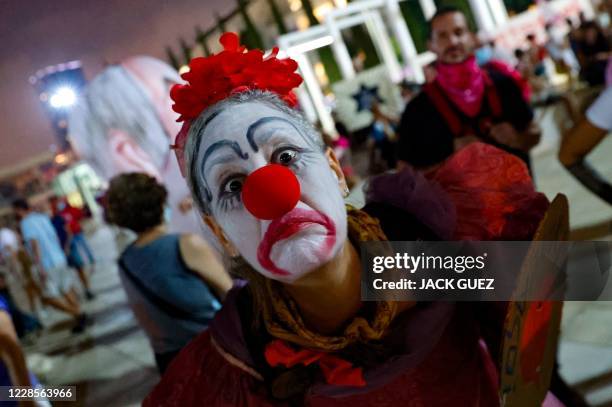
62	97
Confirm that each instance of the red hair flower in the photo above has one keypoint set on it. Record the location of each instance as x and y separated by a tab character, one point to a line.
235	69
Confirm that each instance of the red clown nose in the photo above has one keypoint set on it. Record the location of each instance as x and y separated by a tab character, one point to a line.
270	192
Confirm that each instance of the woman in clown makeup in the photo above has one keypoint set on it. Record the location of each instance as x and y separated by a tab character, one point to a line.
295	331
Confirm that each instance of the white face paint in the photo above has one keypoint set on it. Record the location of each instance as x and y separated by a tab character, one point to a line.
243	138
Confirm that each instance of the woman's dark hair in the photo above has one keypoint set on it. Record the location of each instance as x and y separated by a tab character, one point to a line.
136	201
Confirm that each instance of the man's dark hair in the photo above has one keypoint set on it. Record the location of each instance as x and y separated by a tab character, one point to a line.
442	11
135	201
21	203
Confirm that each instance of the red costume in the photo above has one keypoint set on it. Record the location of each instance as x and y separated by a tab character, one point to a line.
430	354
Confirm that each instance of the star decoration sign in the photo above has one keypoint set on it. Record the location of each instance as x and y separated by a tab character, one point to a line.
356	96
366	96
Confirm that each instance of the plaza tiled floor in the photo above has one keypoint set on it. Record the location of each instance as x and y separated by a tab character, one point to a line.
112	363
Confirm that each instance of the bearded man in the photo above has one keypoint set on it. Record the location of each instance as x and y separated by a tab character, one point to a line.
464	103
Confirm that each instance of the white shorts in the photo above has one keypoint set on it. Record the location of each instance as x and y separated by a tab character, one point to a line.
58	282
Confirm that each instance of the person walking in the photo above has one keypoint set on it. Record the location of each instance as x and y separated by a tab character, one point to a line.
57	281
73	217
580	140
67	240
174	282
14	255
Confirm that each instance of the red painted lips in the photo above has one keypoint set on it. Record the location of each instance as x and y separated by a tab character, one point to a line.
291	223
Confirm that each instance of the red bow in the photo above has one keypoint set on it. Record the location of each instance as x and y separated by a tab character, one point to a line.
336	371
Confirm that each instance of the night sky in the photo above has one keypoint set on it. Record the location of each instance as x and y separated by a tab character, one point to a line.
35	34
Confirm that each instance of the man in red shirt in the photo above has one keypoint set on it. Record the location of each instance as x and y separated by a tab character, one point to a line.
73	217
67	223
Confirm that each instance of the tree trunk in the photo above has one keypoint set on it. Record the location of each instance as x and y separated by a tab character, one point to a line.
278	17
186	51
253	39
172	58
220	24
307	6
325	54
201	39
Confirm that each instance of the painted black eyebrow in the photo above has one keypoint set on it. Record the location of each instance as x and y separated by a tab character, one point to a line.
215	146
265	120
221	159
222	144
209	151
235	146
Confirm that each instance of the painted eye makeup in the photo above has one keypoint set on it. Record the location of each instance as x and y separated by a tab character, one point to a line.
234	185
229	192
285	156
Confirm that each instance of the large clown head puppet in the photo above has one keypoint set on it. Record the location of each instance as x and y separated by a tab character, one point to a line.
124	122
258	171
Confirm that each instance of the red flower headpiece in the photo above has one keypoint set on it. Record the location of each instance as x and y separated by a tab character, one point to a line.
235	69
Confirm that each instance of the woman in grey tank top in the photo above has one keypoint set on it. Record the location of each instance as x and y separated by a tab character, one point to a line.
174	283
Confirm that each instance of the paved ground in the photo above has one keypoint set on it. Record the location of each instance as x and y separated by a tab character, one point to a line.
112	363
585	352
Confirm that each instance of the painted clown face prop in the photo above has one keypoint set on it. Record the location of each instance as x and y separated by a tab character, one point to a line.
124	122
259	170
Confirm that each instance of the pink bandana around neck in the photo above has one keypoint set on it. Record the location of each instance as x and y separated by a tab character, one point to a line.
463	83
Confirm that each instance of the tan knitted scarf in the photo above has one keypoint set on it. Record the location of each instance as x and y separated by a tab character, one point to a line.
284	321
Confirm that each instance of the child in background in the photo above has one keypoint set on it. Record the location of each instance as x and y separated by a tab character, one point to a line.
383	141
342	148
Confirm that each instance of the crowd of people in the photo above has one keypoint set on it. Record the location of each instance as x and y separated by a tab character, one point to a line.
270	312
42	254
38	254
448	106
283	338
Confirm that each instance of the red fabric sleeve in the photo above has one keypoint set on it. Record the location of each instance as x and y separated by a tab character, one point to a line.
201	376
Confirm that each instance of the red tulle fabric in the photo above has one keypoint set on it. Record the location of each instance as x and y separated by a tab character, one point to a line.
493	194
